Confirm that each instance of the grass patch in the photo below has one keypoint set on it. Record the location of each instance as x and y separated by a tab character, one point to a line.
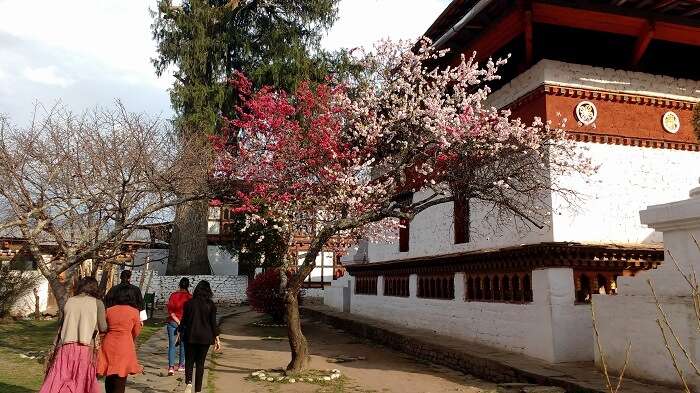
149	328
17	374
22	375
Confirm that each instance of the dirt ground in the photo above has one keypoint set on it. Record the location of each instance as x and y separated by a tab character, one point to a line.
249	348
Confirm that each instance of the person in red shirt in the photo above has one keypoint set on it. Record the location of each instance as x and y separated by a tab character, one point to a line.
176	305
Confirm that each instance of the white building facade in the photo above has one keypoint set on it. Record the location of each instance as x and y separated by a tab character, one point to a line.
528	290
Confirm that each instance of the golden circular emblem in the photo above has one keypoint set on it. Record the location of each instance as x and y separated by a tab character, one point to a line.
586	112
671	122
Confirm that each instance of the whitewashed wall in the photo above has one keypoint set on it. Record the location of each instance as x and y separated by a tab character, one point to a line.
630	317
551	328
594	78
628	179
227	289
26	305
432	233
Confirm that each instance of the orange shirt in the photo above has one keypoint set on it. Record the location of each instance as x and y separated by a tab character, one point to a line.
118	351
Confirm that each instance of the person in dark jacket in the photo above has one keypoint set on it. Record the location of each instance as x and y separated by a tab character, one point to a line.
134	293
199	330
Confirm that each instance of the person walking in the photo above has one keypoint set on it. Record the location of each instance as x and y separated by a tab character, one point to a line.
200	330
72	365
175	307
135	292
117	357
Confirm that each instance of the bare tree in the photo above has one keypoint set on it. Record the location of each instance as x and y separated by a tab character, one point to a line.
84	183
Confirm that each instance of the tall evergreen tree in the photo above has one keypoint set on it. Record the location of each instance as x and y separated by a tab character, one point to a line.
274	42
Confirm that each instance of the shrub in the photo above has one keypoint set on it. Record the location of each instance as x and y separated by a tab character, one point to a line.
264	295
14	285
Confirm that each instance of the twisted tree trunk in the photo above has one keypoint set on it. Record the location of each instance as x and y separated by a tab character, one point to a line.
188	241
297	342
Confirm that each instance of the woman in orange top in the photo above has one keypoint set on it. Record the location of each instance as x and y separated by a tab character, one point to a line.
117	358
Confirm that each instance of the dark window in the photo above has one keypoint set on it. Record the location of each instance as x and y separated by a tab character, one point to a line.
583	294
496	289
436	287
366	285
487	289
461	220
470	288
517	294
527	288
404	233
505	287
396	286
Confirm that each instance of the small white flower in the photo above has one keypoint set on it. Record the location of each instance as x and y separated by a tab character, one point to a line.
270	380
326	378
292	380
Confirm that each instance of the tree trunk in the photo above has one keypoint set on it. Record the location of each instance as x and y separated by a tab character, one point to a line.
188	241
297	342
107	273
60	291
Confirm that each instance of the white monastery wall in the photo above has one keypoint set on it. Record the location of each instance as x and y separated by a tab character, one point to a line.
558	73
432	233
27	304
628	179
228	289
551	328
630	317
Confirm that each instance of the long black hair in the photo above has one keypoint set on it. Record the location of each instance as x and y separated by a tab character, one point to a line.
125	296
203	291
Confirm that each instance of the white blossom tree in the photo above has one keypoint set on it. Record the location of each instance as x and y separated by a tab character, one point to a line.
349	156
84	184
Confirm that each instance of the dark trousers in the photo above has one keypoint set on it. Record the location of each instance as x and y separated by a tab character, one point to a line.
195	355
115	384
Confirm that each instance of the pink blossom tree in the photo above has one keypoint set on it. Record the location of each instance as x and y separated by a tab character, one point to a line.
356	158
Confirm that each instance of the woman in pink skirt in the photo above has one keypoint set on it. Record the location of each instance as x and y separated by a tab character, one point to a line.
73	369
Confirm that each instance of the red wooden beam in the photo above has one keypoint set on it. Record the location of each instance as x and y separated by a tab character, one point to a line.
496	36
528	37
642	43
612	23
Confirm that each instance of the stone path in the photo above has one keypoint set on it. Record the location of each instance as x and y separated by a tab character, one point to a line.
153	356
486	362
367	368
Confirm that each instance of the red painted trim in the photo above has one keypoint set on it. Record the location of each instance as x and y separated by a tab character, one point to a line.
623	119
612	23
495	37
642	43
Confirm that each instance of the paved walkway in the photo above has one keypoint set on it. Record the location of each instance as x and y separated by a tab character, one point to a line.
153	356
366	367
483	361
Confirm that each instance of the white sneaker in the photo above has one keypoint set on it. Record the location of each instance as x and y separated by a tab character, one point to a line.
188	388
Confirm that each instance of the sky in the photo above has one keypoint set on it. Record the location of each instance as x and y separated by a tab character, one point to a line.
84	53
